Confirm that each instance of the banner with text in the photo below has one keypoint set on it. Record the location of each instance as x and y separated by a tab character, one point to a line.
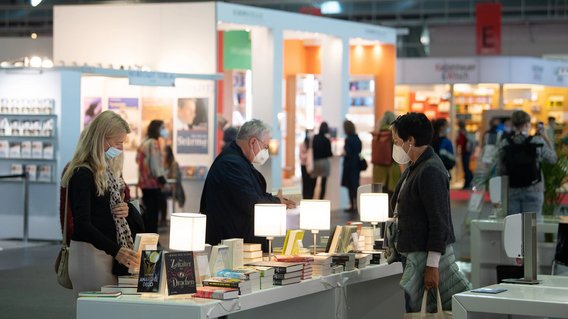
488	28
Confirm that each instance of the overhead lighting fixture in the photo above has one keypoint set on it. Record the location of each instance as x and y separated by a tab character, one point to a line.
35	3
33	35
330	7
425	36
35	62
46	63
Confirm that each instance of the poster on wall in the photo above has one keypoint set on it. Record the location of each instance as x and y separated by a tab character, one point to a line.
191	121
127	108
157	109
92	106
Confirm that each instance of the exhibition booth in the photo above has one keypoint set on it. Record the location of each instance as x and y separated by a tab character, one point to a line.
260	53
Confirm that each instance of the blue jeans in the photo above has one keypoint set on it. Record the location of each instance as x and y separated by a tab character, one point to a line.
525	202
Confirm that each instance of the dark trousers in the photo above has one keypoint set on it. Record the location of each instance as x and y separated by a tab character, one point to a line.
467	174
308	184
153	199
322	186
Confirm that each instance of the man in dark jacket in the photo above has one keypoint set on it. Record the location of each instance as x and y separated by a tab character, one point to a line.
233	186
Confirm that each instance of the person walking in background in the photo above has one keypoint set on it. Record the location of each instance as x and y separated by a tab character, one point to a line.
101	231
489	143
385	170
229	135
351	170
465	147
174	189
520	156
321	146
308	182
151	174
442	144
550	128
421	205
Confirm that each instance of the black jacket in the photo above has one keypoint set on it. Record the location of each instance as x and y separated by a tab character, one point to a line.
232	187
424	216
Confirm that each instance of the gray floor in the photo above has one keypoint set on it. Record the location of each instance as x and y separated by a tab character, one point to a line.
28	288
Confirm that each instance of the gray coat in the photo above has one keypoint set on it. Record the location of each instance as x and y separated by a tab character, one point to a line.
424	218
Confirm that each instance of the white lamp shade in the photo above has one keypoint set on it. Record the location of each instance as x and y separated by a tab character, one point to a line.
269	220
187	231
374	207
315	214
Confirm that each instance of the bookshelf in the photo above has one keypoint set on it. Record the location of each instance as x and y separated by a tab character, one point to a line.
362	112
28	138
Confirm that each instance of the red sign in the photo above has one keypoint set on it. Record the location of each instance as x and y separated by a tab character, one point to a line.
310	10
488	28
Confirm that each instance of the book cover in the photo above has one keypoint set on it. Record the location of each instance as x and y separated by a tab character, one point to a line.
219	258
47	150
180	272
150	271
15	150
291	245
239	273
32	172
144	241
332	243
37	149
44	174
4	149
26	149
16	169
235	252
201	266
221	293
345	242
224	282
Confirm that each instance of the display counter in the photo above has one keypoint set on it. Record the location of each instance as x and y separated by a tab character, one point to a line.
372	292
487	250
547	299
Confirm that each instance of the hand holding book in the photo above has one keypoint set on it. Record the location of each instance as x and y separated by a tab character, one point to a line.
127	257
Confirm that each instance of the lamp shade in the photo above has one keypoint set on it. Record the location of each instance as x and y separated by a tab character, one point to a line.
315	214
187	231
269	220
374	207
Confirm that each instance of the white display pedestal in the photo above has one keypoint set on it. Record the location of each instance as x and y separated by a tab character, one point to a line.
371	292
548	299
487	250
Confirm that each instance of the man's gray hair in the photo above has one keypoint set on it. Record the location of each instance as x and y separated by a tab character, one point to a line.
253	128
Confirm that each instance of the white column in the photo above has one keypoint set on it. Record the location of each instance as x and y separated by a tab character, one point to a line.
335	104
267	73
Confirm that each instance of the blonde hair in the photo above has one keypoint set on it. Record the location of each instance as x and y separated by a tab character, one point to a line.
386	121
90	151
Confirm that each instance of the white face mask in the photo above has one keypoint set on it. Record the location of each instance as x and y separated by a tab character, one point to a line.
112	152
164	133
399	155
261	157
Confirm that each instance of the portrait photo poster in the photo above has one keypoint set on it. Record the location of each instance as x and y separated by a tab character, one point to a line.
128	109
191	125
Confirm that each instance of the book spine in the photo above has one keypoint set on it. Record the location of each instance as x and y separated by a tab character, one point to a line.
221	284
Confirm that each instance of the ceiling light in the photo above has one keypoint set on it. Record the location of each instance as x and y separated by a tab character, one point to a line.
34	3
330	7
35	62
33	35
46	63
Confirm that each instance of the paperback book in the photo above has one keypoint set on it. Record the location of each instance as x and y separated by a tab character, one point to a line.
150	271
180	273
220	293
144	241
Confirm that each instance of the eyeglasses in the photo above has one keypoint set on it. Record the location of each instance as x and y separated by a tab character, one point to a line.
264	146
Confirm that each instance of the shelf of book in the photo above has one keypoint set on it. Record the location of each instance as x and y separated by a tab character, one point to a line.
373	290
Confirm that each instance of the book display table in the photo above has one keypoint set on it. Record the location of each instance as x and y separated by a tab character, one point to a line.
372	292
547	299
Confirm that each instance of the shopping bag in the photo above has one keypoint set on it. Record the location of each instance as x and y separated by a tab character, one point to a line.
440	314
62	267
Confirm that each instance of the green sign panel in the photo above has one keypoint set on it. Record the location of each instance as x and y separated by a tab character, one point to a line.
236	50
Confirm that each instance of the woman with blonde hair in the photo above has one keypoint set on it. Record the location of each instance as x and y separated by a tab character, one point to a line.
95	194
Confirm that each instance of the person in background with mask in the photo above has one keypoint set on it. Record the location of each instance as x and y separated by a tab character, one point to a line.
442	144
421	206
101	233
151	174
233	186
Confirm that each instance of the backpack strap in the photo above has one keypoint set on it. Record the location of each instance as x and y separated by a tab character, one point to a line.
65	216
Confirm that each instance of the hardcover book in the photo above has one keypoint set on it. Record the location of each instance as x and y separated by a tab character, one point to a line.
252	254
201	266
32	172
47	150
288	281
219	258
180	273
44	174
150	271
37	149
26	151
128	280
4	149
15	150
124	289
235	252
280	267
16	169
144	241
220	293
291	245
252	247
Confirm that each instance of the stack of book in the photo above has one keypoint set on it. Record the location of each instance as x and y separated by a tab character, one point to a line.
285	273
375	256
346	260
250	275
235	252
127	285
322	265
243	286
252	253
362	260
366	240
266	276
306	260
220	293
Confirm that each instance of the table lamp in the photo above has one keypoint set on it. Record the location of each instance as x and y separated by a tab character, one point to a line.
187	231
374	208
315	216
269	222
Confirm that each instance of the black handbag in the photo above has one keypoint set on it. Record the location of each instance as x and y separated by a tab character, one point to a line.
363	164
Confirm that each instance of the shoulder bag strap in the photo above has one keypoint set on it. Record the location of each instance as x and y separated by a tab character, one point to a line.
65	216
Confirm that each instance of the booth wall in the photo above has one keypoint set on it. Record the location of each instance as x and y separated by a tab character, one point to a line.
178	38
13	48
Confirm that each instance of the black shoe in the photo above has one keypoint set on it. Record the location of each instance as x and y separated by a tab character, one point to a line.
348	210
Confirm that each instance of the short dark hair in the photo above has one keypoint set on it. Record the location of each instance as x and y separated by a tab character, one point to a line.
349	127
154	129
520	118
416	125
324	128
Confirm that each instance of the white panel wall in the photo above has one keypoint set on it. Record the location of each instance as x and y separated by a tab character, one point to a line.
13	48
178	38
335	104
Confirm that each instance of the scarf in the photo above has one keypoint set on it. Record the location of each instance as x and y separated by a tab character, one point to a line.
123	234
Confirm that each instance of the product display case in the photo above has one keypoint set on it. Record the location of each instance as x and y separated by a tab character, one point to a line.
28	138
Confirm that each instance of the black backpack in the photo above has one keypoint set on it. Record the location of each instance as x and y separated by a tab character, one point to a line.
521	162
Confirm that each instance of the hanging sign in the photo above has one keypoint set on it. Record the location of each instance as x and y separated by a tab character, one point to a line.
488	28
